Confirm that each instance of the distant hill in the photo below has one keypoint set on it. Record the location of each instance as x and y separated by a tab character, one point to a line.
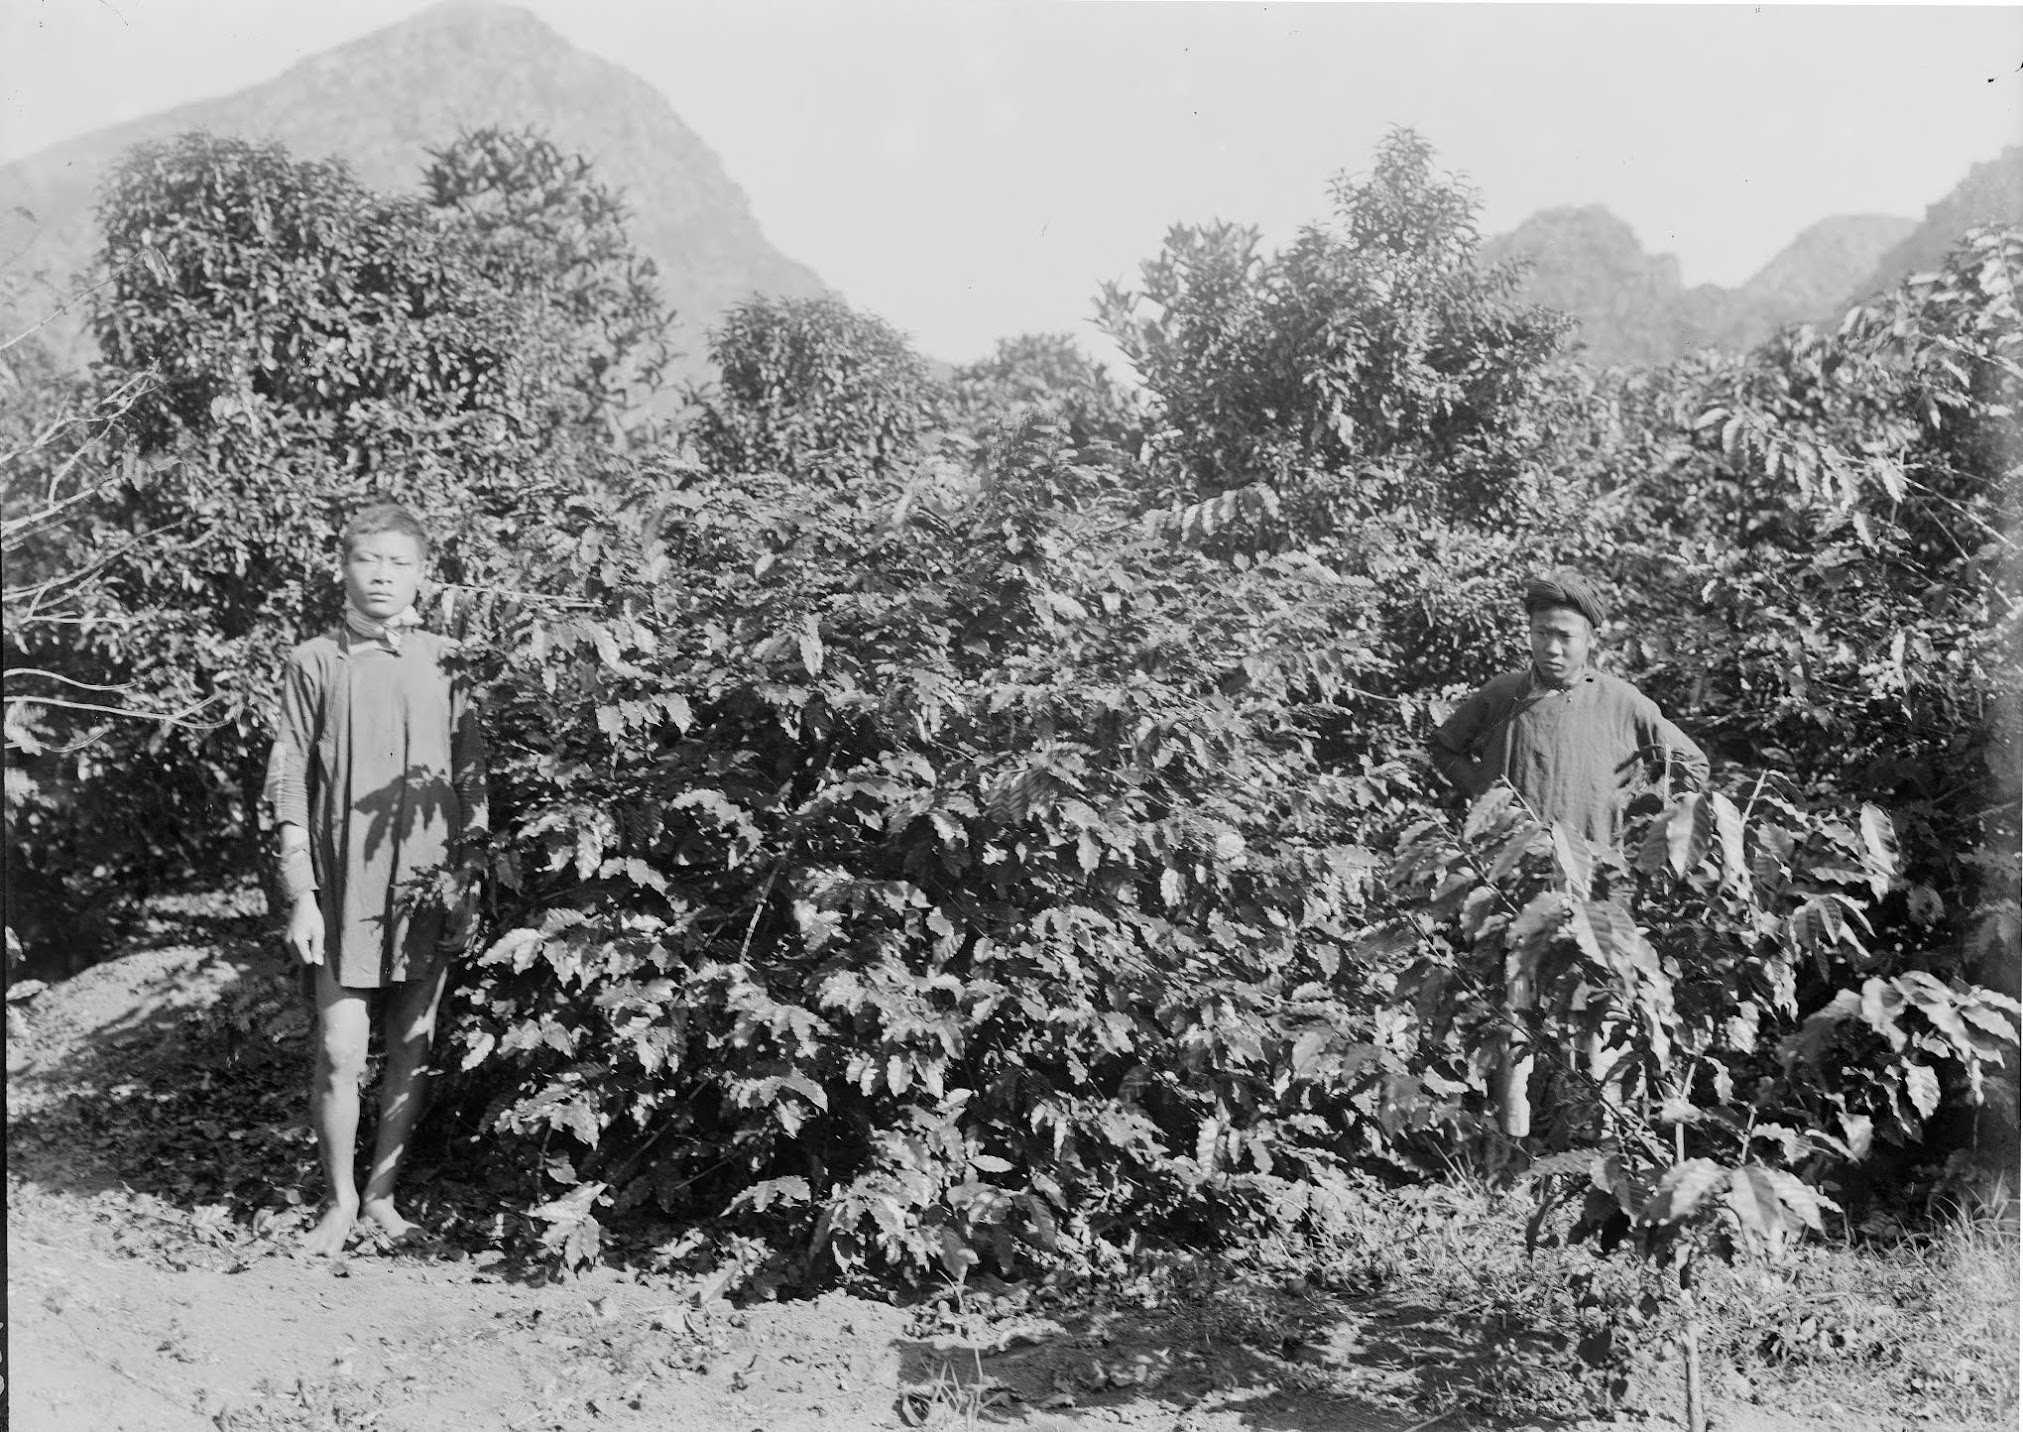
1633	307
380	102
1587	262
1809	280
1992	193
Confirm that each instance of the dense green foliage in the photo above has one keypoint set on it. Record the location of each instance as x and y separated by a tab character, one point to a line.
281	343
807	386
1708	1003
549	234
942	824
1103	419
1369	370
1836	582
950	866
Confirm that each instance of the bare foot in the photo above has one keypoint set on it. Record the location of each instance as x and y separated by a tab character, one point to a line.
326	1239
390	1225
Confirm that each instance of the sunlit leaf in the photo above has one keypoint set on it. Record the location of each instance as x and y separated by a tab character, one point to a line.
1879	837
1758	1203
1574	858
1682	1189
1689	832
1728	822
1922	1085
1487	811
763	1195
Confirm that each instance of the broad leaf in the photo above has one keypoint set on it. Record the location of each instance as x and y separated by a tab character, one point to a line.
1689	832
1879	838
1728	822
1487	811
1575	860
763	1195
573	1207
1758	1203
1922	1085
1682	1189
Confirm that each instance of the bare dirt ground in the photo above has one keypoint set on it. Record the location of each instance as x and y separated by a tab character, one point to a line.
154	1188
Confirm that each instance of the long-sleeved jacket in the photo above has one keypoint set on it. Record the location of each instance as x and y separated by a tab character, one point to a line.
1573	753
379	758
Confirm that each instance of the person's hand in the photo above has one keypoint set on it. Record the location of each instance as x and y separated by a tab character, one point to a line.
305	930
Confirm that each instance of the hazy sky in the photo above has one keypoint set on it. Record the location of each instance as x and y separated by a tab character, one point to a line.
970	171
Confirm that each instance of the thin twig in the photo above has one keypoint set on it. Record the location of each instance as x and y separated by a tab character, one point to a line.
126	395
15	673
73	300
757	911
11	532
103	619
89	738
34	594
178	718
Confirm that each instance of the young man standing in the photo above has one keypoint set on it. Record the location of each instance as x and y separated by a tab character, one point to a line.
1574	743
377	776
1572	740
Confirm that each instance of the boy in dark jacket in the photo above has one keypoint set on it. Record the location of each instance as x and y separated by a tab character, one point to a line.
1572	740
377	777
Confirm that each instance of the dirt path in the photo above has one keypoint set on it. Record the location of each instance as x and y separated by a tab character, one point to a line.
105	1342
142	1295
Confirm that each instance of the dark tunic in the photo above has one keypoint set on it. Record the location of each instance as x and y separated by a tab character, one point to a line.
379	758
1572	753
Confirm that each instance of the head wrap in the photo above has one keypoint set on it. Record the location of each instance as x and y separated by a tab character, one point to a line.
1565	589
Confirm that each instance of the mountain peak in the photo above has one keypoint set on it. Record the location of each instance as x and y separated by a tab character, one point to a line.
455	30
1817	268
1991	193
381	102
1634	308
1588	262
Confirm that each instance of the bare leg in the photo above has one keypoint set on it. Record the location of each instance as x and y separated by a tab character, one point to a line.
343	1027
410	1028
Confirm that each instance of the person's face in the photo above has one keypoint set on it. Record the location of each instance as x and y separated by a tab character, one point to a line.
382	573
1560	640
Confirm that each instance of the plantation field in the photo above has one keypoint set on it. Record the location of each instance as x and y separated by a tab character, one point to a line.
157	1153
965	925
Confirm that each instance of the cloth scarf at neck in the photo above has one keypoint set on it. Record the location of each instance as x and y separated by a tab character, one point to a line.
388	631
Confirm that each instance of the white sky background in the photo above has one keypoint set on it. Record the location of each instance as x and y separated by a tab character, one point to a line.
972	171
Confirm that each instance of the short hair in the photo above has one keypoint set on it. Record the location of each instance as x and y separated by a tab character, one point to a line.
385	517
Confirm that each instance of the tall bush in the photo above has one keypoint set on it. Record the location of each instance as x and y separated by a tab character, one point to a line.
1372	366
923	877
291	343
1711	1033
811	385
548	232
1102	417
1835	584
